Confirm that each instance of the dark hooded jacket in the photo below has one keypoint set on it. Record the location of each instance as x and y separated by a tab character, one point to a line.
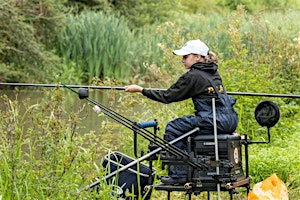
191	84
200	83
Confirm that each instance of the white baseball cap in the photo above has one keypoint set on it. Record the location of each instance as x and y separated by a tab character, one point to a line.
193	47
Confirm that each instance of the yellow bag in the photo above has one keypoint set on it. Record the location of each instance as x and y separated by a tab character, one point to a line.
271	188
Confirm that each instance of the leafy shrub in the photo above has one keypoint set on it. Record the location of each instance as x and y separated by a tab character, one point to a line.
28	31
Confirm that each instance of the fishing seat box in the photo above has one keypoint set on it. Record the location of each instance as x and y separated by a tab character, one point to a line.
229	150
128	179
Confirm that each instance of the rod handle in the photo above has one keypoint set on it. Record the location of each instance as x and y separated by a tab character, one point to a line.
147	124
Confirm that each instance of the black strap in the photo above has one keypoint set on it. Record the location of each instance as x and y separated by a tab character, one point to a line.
211	82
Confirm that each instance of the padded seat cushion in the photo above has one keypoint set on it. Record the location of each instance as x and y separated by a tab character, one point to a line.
233	136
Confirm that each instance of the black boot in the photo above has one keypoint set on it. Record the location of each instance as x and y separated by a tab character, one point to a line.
177	175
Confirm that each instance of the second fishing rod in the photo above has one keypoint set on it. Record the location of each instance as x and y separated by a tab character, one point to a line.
83	94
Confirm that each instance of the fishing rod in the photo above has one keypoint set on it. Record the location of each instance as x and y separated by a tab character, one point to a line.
83	94
60	85
123	88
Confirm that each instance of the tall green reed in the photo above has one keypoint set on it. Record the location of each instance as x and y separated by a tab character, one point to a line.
98	43
102	46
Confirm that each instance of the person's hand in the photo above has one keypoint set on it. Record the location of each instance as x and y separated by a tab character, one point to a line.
133	88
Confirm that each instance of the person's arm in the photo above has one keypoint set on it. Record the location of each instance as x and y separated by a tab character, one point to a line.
177	92
185	87
133	88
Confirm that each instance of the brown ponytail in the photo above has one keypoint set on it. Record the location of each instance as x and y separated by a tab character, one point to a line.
211	57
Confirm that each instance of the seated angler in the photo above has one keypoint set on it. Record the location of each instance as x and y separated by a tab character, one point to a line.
201	82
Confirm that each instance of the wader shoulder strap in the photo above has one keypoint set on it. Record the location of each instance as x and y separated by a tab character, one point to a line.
204	75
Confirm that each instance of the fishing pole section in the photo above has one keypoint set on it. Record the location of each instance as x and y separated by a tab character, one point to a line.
251	94
98	107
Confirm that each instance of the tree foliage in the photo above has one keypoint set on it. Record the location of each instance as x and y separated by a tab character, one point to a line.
146	12
27	35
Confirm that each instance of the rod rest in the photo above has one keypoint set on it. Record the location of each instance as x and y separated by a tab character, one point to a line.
147	124
136	126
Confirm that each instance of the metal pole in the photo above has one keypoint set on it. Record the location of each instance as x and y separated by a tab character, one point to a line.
61	85
123	88
216	144
263	94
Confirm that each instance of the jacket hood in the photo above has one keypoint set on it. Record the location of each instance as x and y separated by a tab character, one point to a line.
207	67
